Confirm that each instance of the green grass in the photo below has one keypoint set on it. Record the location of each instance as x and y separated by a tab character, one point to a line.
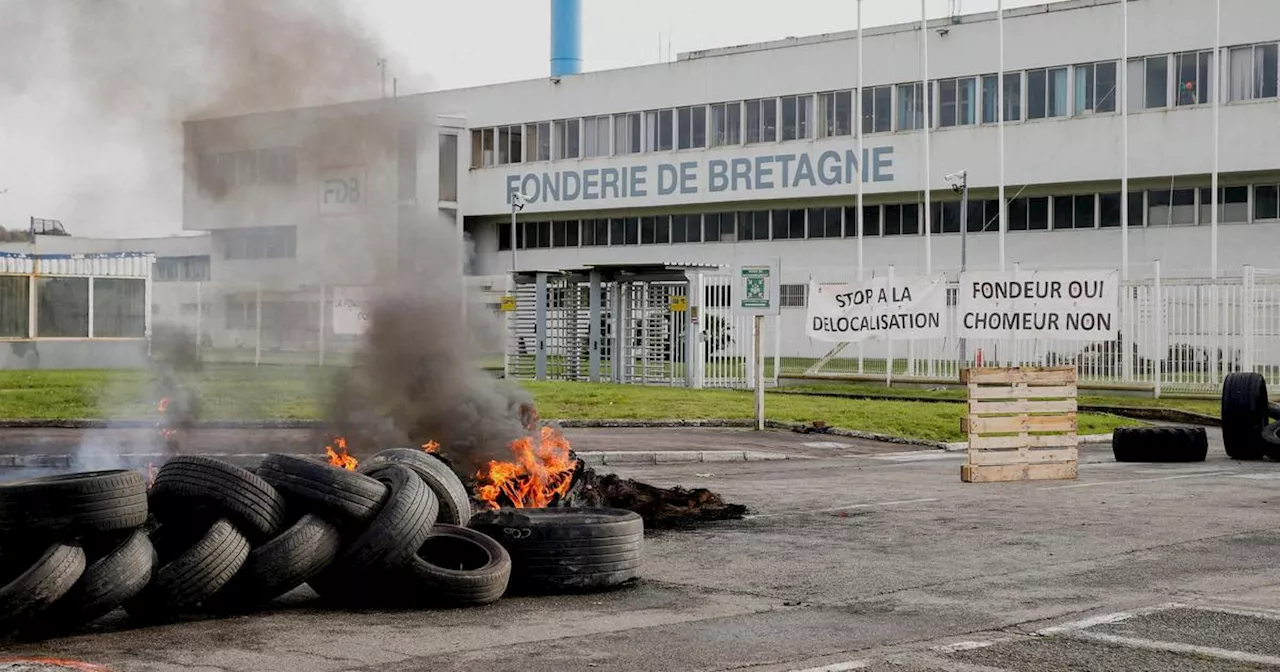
248	393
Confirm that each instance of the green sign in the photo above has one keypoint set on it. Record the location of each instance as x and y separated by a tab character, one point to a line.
755	288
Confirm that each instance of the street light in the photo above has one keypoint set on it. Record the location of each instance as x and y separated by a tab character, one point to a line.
960	184
518	201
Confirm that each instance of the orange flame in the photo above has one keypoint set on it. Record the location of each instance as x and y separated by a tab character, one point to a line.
163	405
151	474
541	471
431	447
80	665
339	457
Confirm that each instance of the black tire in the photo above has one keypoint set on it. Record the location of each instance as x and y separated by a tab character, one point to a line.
189	572
117	573
74	505
1244	414
455	503
566	549
457	566
361	570
299	554
1160	444
1271	434
36	581
344	498
218	490
1273	410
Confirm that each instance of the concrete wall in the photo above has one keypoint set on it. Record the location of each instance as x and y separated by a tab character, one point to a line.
73	354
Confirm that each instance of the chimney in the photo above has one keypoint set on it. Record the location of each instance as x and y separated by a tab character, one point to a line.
566	37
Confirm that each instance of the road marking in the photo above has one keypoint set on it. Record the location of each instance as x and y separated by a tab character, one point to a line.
917	456
1259	477
1140	480
967	646
1178	647
845	507
839	667
834	445
1103	619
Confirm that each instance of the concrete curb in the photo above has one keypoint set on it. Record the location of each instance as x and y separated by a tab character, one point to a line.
1086	440
798	427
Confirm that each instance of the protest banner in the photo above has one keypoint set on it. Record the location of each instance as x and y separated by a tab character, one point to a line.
1066	305
351	310
907	308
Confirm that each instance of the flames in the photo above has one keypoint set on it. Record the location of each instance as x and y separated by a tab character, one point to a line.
541	471
166	433
151	474
339	457
431	447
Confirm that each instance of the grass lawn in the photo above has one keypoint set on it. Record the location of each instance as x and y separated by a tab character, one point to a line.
248	393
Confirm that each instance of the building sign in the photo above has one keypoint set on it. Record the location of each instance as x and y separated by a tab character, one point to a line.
905	308
352	311
342	191
755	289
1067	305
773	174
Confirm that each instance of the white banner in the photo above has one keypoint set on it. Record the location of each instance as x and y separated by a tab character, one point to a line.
350	311
1067	305
909	308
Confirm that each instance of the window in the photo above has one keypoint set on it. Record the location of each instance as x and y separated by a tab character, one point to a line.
1046	93
62	307
1171	207
1149	83
870	221
1266	202
14	306
658	130
1029	214
901	220
538	147
762	120
595	232
277	242
181	269
564	234
958	101
510	143
792	296
726	124
720	227
835	113
911	106
595	136
877	109
1012	98
1195	81
504	237
754	225
568	138
655	230
1233	205
788	224
825	222
944	216
537	235
1096	87
215	173
1074	212
448	165
693	127
119	308
796	113
1253	73
627	133
241	312
482	148
686	228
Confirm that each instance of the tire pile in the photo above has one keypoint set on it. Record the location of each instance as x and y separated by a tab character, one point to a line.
212	537
1248	432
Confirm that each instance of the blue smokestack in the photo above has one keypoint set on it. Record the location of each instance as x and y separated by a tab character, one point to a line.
566	37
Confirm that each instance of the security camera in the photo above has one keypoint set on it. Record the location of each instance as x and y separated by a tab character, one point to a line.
957	180
519	200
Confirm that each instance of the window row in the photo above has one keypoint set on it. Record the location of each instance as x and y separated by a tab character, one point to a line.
271	242
1156	207
181	269
216	173
1155	82
63	307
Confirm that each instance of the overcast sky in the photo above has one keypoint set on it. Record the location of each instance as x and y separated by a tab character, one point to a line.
61	161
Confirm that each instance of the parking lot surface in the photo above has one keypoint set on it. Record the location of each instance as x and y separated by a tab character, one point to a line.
865	556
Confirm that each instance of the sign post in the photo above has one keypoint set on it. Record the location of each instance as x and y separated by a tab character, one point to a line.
756	292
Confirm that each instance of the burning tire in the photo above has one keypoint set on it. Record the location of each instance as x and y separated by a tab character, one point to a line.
296	556
458	566
208	489
388	543
74	505
566	550
35	582
344	498
1160	444
1245	412
190	570
455	503
118	570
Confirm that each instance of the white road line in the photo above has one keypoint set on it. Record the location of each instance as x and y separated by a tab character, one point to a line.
918	456
1105	618
967	646
1178	647
1140	480
840	667
845	507
1250	612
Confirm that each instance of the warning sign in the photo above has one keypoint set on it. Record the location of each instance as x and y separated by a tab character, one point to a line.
755	289
1067	305
678	303
508	303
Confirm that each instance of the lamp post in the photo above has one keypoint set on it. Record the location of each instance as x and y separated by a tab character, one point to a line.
960	184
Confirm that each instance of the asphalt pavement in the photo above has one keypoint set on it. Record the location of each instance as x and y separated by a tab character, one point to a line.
864	556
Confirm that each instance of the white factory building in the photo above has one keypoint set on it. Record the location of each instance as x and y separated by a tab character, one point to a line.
1115	126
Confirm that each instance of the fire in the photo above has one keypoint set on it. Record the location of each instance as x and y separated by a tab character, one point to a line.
542	470
339	457
163	405
431	447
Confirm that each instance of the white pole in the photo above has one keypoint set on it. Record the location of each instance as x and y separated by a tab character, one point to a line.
199	315
1004	207
928	169
759	372
257	322
322	303
1124	148
1216	92
861	168
91	317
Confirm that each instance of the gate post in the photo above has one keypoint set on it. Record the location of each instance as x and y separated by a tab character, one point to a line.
540	326
1161	330
1246	307
695	346
593	328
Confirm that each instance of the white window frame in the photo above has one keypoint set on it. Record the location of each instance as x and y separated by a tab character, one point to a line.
762	125
566	130
721	113
827	112
801	108
591	136
1095	94
692	112
975	112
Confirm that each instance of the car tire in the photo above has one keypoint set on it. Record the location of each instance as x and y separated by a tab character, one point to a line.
458	566
455	503
291	559
118	570
37	582
208	489
566	549
1245	412
70	506
189	571
344	498
1160	444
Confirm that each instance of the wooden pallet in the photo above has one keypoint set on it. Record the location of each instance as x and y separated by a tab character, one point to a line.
1021	424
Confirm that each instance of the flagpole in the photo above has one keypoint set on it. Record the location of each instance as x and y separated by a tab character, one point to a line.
1124	145
1216	92
1004	207
928	169
859	130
